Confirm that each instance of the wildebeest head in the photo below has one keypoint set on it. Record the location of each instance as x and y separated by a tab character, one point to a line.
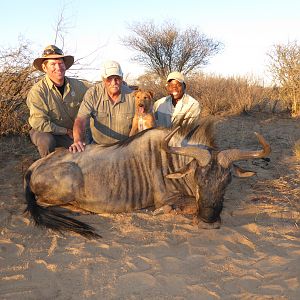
212	171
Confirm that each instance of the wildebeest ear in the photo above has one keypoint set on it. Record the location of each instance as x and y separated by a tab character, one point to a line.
239	172
188	168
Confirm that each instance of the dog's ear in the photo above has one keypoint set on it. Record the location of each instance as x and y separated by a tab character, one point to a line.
136	92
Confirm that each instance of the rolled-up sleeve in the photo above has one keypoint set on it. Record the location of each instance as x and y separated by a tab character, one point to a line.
87	105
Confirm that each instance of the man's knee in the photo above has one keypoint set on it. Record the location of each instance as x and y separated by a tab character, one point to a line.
46	144
44	141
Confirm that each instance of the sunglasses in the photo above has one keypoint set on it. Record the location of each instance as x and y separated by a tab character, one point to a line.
52	51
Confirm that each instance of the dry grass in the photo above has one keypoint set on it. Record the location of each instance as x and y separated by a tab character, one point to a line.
217	95
279	197
220	96
16	78
297	149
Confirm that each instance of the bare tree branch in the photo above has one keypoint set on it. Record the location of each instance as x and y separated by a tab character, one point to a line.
164	49
285	68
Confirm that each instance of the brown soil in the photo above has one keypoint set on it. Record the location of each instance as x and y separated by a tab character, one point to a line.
254	255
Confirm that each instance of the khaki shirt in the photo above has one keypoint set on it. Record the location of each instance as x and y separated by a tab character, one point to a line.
110	122
166	114
49	111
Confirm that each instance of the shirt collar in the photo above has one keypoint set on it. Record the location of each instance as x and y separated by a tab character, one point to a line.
184	99
50	82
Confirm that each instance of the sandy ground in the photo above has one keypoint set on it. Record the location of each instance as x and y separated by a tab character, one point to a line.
254	255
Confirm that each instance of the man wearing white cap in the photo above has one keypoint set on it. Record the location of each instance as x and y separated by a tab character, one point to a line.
110	107
53	101
170	109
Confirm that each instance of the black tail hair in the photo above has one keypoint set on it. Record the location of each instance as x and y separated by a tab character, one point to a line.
49	218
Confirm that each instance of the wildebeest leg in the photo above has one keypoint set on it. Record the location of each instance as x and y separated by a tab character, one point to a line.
58	187
51	218
165	209
178	203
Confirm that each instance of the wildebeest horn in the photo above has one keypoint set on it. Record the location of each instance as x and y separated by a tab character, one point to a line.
201	155
227	157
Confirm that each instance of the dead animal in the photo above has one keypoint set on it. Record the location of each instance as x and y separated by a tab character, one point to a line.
151	168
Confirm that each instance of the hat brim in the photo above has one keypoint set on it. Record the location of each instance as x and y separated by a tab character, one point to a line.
178	79
68	60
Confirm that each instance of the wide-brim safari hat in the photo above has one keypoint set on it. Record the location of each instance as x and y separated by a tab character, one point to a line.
52	52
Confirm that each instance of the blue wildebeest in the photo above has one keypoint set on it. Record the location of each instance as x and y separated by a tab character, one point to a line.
152	168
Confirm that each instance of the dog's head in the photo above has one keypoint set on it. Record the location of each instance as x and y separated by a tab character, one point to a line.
143	101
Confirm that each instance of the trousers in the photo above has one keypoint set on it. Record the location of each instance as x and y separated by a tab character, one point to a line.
46	142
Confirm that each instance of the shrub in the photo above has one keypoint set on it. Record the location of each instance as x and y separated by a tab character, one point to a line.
16	78
216	94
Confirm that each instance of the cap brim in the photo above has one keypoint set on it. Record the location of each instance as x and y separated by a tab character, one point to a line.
68	59
108	75
179	80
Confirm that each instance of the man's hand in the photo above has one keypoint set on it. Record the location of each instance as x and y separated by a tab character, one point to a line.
79	135
77	147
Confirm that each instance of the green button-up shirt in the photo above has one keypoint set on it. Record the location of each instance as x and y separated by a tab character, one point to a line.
49	111
110	122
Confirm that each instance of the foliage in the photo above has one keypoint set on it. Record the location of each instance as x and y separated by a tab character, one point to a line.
216	94
232	95
165	49
16	78
285	68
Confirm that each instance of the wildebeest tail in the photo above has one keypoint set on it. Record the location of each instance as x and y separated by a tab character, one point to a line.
50	218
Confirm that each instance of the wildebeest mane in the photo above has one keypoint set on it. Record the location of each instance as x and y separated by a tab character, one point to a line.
198	132
128	140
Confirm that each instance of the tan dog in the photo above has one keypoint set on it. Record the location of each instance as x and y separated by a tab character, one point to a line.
143	118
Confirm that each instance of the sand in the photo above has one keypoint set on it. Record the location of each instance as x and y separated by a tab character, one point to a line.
254	255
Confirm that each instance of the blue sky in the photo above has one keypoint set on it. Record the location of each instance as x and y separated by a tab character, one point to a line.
248	29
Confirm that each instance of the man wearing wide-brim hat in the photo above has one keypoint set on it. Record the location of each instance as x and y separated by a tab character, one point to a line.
54	101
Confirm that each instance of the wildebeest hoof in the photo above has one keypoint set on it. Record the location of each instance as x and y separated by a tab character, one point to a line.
203	225
163	210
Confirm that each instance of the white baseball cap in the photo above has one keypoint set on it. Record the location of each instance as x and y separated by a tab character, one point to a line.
110	68
176	76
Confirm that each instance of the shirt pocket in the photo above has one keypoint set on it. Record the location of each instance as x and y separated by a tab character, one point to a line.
124	120
101	115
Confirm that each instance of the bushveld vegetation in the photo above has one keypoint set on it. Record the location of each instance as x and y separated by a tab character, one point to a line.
285	67
217	95
16	78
